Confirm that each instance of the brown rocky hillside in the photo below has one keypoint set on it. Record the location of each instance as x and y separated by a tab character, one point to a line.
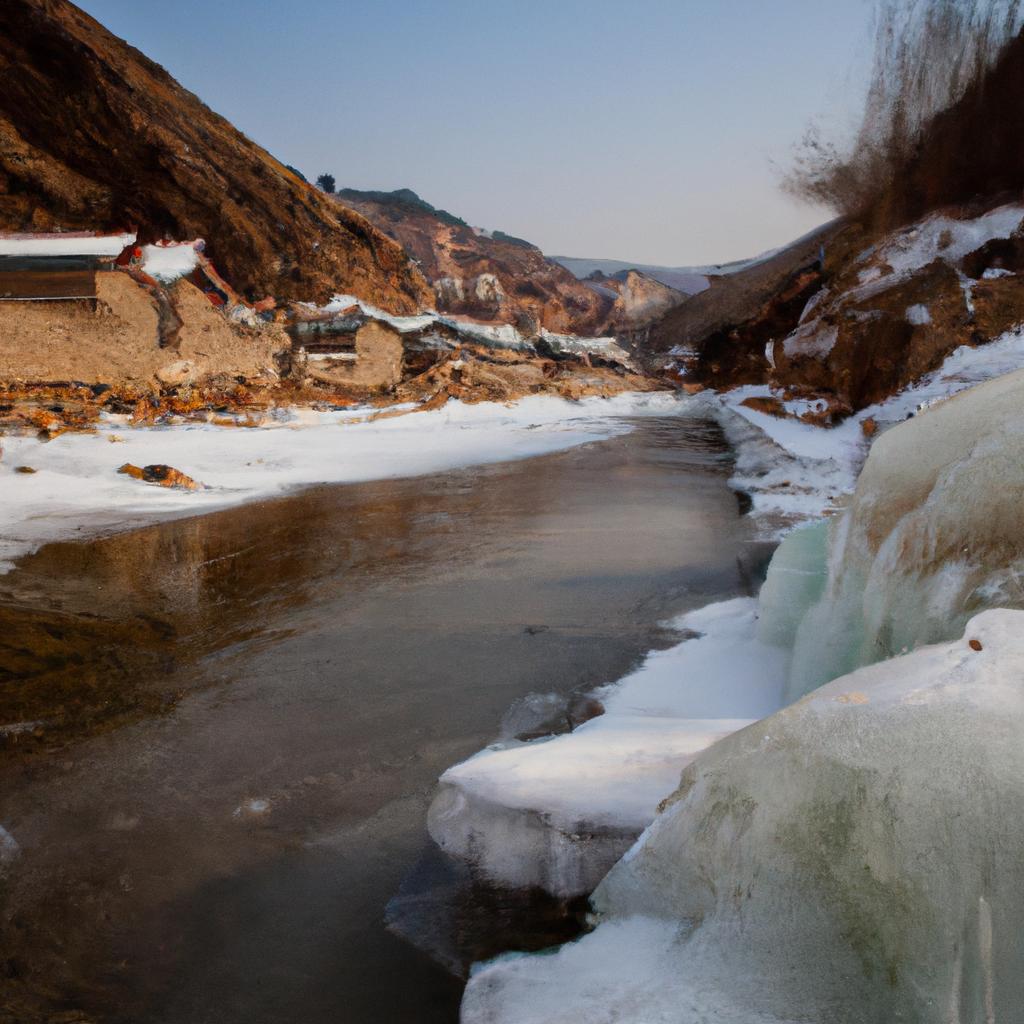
486	275
93	135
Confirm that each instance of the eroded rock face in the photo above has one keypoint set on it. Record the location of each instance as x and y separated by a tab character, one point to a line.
867	343
727	326
119	341
93	135
486	275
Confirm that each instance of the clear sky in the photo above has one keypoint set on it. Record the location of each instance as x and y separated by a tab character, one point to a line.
642	130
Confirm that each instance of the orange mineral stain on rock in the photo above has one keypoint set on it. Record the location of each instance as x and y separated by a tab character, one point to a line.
852	698
165	476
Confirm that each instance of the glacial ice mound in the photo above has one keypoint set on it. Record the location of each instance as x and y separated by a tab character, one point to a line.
851	859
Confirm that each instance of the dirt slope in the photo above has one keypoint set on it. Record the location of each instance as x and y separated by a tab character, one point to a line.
707	320
95	135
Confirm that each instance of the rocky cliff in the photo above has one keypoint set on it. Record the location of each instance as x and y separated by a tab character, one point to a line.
93	135
486	275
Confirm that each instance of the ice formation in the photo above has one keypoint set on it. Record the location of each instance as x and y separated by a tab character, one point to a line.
853	858
932	536
557	813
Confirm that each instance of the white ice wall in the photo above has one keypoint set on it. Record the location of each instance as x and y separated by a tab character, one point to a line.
854	858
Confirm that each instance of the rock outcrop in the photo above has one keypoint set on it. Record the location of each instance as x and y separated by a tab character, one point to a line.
848	318
719	334
487	275
93	135
893	312
637	299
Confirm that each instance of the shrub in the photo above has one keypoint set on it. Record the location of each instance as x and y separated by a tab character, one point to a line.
933	63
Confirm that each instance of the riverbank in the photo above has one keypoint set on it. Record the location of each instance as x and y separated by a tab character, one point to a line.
76	491
327	654
559	812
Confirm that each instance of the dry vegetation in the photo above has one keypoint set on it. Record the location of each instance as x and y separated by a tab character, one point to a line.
941	120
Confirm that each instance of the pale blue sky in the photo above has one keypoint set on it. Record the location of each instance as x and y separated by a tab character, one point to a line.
638	130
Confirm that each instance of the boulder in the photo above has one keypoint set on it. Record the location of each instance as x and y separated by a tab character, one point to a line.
165	476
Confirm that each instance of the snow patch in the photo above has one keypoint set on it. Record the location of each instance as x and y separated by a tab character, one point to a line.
811	339
167	261
76	490
940	237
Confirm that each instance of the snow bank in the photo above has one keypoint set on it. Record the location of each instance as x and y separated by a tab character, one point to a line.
76	489
854	857
168	261
71	244
557	813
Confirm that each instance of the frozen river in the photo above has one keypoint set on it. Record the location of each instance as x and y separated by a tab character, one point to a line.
243	717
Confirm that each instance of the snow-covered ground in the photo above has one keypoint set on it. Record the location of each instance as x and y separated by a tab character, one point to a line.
76	490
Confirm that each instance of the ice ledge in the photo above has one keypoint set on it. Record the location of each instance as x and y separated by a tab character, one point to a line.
557	813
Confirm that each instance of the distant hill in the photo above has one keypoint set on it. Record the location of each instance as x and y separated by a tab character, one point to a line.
488	275
688	280
94	135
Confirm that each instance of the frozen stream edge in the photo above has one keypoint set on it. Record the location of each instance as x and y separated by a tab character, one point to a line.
558	812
